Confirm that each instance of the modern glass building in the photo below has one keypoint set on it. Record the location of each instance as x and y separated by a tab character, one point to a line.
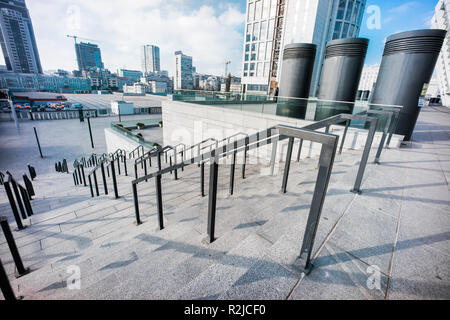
441	20
89	57
42	82
183	71
17	38
272	24
150	59
132	75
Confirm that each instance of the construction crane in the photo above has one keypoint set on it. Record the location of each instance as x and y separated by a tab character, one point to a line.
80	65
226	68
77	37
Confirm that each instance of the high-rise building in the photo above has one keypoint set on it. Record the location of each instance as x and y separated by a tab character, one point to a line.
150	60
183	71
132	75
367	82
89	57
17	38
272	24
441	20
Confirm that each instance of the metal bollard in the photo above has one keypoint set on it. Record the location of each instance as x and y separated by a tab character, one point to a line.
21	270
7	290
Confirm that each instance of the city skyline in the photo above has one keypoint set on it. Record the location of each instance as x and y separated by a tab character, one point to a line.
211	32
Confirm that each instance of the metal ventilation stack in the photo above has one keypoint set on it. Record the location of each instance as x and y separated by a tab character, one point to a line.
408	62
295	79
341	72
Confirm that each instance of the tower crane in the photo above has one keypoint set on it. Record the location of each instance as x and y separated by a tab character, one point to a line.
77	37
226	68
75	43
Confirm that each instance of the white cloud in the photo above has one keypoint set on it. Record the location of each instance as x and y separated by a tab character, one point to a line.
404	7
210	36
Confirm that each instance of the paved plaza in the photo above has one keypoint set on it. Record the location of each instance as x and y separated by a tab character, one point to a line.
390	242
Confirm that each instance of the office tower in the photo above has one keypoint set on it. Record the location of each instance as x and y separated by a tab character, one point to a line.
89	57
273	24
17	38
183	71
133	75
150	60
441	20
367	82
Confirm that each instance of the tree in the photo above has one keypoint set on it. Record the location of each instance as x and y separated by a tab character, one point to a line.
228	83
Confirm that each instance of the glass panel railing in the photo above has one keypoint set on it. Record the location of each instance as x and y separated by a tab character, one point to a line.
311	109
128	129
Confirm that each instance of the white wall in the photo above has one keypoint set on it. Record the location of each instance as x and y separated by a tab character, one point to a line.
191	123
115	140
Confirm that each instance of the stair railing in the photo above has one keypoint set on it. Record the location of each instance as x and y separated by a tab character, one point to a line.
329	143
18	197
269	136
139	150
109	162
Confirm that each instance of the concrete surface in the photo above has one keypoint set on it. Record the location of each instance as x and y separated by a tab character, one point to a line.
390	242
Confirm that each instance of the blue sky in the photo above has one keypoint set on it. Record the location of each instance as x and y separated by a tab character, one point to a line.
211	31
396	16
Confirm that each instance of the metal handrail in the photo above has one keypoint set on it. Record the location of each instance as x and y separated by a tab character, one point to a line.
22	199
269	136
272	136
132	153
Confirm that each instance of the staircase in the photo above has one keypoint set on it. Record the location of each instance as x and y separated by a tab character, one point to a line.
258	233
118	259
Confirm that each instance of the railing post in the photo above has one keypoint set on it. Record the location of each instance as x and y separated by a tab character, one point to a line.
5	285
394	127
182	160
76	177
118	164
383	137
96	184
136	204
26	200
64	166
21	270
145	169
287	165
90	186
170	163
232	167
175	161
124	158
245	158
74	181
105	187
202	179
365	155
212	200
326	161
37	140
12	203
300	146
159	160
135	170
18	198
83	175
79	173
347	123
29	186
113	174
273	157
32	172
159	201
